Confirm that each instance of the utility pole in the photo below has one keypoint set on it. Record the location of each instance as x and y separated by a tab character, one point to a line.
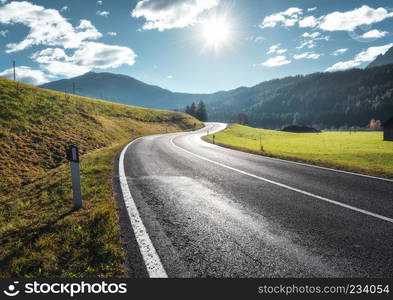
13	62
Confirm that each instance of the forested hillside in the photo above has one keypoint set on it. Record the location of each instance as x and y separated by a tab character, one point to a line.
322	100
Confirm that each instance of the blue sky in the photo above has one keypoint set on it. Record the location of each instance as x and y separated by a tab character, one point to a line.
191	45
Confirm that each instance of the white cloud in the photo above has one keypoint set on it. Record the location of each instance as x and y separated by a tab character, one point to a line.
307	55
3	1
111	33
374	34
310	40
335	21
64	8
365	56
372	52
56	62
26	74
312	9
90	55
3	33
169	77
70	50
277	61
309	21
99	2
47	27
255	39
67	69
311	35
288	18
103	13
103	56
169	14
276	49
49	54
343	65
350	20
310	44
339	51
259	39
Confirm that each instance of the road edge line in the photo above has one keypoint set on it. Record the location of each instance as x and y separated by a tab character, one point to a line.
153	264
300	163
353	208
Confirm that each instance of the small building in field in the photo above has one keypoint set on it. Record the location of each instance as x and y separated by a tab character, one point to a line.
388	130
300	129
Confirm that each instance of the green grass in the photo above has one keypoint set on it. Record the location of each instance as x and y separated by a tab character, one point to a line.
40	234
363	152
36	124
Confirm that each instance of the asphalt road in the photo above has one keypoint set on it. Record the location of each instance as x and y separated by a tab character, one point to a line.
215	212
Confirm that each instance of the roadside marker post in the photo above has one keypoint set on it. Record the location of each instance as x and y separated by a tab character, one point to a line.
260	143
73	157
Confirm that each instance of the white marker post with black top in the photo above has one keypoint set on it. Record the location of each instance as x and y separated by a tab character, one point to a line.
73	157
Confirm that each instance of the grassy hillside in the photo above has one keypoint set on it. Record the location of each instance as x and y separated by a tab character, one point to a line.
40	234
363	152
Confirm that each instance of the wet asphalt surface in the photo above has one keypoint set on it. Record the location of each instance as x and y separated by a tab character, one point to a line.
206	220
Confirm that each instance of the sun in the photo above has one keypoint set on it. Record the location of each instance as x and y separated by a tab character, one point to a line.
216	33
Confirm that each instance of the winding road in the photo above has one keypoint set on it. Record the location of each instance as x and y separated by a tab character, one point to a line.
200	210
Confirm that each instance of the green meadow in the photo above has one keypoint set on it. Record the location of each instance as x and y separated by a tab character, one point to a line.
363	152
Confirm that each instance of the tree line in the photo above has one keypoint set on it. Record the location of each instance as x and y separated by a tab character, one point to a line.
198	111
331	100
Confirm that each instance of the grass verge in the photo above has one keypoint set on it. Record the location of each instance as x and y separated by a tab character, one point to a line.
361	152
40	234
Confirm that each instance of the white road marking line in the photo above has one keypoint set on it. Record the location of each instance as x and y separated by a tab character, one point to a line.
288	187
325	168
152	261
304	164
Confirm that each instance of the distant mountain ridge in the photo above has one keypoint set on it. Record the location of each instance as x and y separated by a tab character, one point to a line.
382	59
122	89
320	100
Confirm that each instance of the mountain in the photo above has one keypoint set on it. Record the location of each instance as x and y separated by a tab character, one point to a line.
122	89
382	59
320	100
